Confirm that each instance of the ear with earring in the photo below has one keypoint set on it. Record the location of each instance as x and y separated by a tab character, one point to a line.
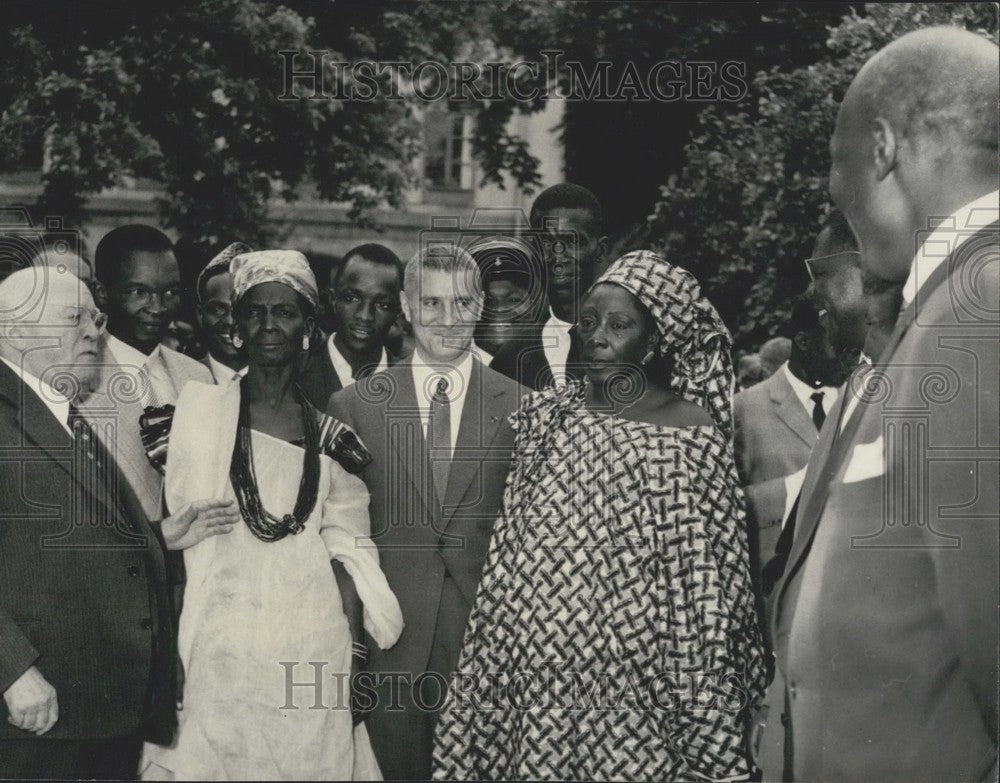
305	342
648	357
236	340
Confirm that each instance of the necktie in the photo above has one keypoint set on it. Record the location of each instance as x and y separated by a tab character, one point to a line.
149	396
439	437
91	462
819	415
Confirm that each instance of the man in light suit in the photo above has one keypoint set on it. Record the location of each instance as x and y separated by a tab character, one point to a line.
139	288
885	624
777	421
436	425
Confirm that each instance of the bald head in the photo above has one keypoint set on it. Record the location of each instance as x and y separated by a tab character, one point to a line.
49	327
938	84
915	140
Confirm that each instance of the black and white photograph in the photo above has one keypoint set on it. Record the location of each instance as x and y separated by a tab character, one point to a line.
499	390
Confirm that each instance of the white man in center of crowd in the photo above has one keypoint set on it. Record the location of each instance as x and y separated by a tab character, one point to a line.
437	426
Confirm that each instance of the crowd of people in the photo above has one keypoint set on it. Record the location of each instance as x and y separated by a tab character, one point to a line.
490	515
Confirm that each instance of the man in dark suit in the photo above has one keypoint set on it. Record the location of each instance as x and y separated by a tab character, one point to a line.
86	635
436	425
365	304
568	222
776	424
885	623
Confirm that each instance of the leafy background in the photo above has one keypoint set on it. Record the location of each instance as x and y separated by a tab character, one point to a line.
184	93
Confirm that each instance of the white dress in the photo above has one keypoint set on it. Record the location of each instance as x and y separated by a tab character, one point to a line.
259	619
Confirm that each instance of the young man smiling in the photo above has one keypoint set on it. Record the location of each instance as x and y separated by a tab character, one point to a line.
139	281
365	303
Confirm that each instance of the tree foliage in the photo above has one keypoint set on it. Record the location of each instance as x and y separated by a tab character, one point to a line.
186	93
743	212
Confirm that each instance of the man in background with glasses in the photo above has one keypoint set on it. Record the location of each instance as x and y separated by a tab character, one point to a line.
139	283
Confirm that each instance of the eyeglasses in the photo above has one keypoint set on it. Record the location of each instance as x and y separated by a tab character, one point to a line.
217	309
76	318
817	261
140	296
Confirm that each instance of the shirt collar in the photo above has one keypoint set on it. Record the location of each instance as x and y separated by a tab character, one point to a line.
805	392
127	356
425	378
343	367
56	402
555	322
948	237
224	373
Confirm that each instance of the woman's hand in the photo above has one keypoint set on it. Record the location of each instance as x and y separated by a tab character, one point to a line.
197	521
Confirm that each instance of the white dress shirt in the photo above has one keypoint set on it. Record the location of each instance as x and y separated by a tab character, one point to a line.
556	343
425	380
343	367
57	403
135	362
805	392
224	373
793	481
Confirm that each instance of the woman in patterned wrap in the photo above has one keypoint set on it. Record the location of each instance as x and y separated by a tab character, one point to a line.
614	635
263	611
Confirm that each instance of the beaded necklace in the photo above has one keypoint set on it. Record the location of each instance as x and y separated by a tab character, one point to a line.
261	522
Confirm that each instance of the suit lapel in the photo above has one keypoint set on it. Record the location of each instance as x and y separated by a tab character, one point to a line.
35	421
406	437
790	411
812	510
477	429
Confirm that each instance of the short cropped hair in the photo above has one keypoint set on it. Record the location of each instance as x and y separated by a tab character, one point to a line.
566	195
120	243
376	254
441	258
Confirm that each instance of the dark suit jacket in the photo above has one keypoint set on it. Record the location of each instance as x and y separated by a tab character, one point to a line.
318	378
774	437
523	360
885	623
82	582
418	540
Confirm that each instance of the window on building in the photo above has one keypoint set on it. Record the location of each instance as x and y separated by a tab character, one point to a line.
447	150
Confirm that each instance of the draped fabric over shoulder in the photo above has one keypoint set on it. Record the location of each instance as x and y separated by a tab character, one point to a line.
614	634
259	614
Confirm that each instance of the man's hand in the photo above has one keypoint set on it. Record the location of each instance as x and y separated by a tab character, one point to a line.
32	702
197	521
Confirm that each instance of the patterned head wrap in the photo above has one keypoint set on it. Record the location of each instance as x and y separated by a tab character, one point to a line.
289	267
223	259
691	330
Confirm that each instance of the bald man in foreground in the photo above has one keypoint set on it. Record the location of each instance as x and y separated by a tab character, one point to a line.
885	621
